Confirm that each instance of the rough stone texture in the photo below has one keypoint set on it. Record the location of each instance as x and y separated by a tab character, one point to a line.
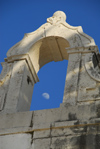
4	83
18	97
17	141
70	127
77	142
88	87
72	78
41	143
76	123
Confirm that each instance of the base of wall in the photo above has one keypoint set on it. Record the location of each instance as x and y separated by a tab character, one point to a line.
67	127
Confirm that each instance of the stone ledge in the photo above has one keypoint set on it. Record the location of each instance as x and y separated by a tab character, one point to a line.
44	120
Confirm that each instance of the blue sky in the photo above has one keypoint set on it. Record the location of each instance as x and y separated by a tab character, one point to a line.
23	16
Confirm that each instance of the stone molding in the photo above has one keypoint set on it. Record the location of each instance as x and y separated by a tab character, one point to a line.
25	57
83	49
55	26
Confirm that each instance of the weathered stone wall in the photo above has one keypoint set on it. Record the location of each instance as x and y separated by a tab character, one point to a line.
67	127
76	123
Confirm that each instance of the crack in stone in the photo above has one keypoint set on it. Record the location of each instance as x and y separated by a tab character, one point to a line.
80	66
50	136
31	123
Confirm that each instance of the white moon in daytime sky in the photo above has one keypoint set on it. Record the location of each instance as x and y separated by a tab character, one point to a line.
46	95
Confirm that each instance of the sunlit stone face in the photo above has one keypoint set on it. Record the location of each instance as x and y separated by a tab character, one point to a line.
60	14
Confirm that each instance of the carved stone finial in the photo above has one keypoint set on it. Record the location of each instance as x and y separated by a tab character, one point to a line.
58	16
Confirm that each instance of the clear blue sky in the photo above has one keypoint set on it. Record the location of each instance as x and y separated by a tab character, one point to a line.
23	16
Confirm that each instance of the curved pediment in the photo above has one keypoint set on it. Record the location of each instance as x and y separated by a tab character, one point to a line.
56	26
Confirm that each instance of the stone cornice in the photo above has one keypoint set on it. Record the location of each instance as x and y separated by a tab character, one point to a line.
25	57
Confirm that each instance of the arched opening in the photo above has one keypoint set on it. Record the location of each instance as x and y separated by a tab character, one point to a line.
48	49
48	93
25	65
52	75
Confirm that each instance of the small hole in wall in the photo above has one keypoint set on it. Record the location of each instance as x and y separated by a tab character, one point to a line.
28	79
48	93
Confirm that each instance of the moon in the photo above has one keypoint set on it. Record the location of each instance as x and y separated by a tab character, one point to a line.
46	95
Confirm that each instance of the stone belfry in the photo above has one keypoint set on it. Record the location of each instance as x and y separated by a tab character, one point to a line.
76	123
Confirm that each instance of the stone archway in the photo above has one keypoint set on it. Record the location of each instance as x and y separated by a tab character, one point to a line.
75	124
54	41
